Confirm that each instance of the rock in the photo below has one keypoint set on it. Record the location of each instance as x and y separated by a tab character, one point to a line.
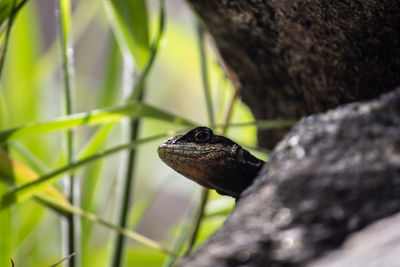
377	245
331	176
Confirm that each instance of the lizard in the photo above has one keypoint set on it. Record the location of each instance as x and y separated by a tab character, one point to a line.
213	161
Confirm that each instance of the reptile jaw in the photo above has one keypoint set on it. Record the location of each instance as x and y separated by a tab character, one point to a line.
213	161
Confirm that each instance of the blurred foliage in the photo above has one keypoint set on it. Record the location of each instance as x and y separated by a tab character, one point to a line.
129	19
105	38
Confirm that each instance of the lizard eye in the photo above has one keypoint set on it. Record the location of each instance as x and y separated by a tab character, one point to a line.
202	136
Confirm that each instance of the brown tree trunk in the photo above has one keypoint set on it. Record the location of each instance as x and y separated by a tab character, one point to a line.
335	173
291	58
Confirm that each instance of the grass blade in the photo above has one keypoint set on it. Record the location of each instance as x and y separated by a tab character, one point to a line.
12	13
99	116
136	95
130	24
54	199
129	234
153	52
183	234
92	184
108	95
32	160
27	190
71	226
95	142
64	259
6	244
6	7
118	249
12	171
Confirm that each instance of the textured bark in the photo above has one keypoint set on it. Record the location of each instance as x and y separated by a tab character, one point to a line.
334	173
291	58
331	176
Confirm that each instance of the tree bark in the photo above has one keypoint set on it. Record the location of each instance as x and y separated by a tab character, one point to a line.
293	58
333	174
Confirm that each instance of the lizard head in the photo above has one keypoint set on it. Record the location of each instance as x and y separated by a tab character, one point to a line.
210	160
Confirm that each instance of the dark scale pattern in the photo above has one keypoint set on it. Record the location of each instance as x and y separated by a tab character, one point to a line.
210	160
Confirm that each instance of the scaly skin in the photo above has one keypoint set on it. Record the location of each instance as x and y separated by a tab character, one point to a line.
212	161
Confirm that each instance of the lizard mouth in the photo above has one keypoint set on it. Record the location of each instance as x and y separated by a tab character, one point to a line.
167	150
213	161
183	149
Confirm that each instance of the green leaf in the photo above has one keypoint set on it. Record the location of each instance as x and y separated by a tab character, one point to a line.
129	22
221	206
6	246
14	172
27	190
36	164
17	73
65	13
5	9
137	91
108	95
3	110
68	208
92	174
51	197
11	172
96	141
99	116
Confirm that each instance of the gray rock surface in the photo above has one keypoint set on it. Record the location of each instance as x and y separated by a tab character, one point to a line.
331	176
376	246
